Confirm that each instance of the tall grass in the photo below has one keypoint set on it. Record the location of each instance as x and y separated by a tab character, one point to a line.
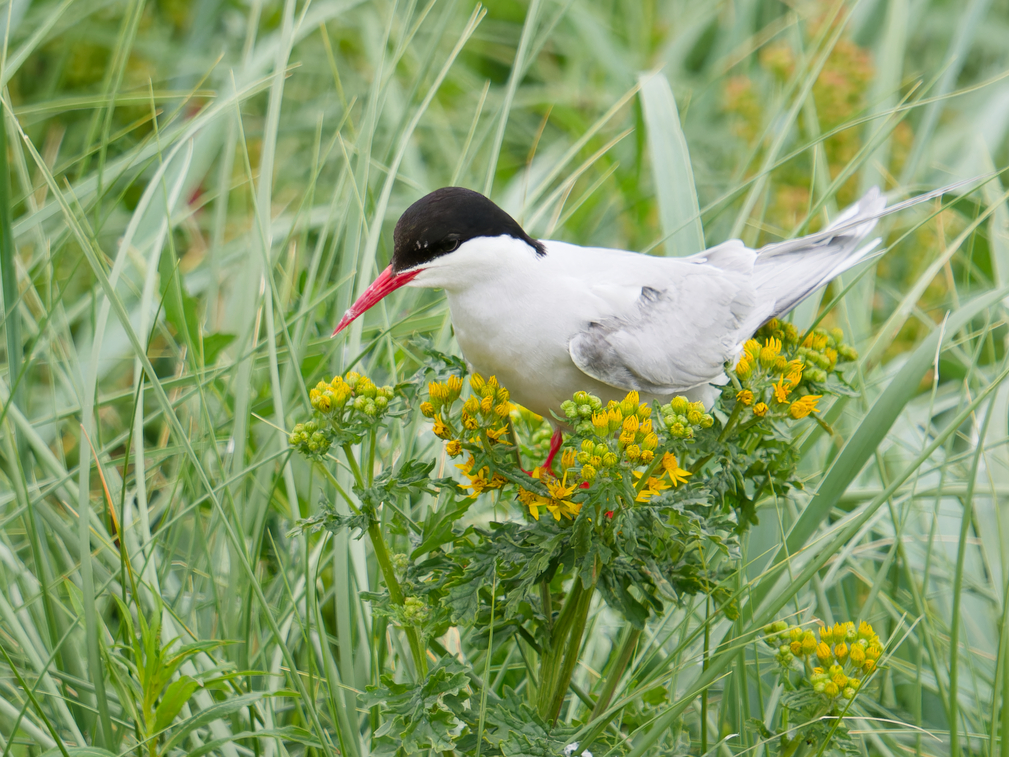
195	191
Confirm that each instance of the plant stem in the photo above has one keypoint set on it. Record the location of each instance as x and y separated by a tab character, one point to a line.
616	672
389	573
574	647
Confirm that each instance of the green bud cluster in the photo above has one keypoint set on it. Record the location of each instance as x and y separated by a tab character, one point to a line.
579	409
310	440
684	418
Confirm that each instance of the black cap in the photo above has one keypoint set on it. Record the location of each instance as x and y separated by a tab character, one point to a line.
438	223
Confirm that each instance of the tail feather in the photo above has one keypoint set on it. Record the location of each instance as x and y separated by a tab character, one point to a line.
788	272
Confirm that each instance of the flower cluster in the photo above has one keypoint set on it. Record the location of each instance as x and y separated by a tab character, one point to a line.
839	661
309	440
482	480
684	418
486	410
559	503
353	392
779	369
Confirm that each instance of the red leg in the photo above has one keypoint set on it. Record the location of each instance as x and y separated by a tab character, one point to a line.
555	447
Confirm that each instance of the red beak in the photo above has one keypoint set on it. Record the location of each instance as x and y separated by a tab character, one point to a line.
387	283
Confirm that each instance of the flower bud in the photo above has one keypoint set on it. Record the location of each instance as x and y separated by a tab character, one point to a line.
609	460
588	472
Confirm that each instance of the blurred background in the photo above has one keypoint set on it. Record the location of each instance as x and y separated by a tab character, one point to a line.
197	191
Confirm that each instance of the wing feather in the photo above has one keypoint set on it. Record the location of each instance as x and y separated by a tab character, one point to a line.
664	344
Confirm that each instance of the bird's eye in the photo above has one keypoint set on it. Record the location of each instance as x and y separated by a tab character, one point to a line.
451	243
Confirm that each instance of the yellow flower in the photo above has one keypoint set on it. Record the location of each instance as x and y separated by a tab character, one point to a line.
752	350
504	409
831	689
476	381
497	433
743	368
436	391
615	418
840	651
745	396
454	448
804	406
794	374
532	501
469	422
653	487
769	352
760	409
487	404
823	652
453	387
440	429
558	504
601	424
676	474
781	391
481	481
568	459
631	424
650	442
646	426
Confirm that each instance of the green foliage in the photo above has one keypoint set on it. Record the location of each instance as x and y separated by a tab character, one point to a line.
193	193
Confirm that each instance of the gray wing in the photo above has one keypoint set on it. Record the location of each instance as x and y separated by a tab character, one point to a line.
676	337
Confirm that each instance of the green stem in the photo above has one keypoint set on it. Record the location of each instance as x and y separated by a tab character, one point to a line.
389	573
574	647
550	655
396	595
624	656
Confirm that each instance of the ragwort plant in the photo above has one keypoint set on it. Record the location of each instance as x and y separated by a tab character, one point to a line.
642	509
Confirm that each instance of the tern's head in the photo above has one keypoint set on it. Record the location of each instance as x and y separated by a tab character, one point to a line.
427	235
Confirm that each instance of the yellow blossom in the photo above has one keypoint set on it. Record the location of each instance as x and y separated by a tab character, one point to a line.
752	350
769	352
781	391
760	409
653	487
804	406
481	481
497	433
487	404
794	372
427	409
453	385
823	652
745	396
568	459
676	474
476	381
454	448
440	429
743	368
504	409
631	424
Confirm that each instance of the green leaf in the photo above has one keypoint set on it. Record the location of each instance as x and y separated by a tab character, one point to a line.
671	170
213	344
288	733
173	700
210	714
